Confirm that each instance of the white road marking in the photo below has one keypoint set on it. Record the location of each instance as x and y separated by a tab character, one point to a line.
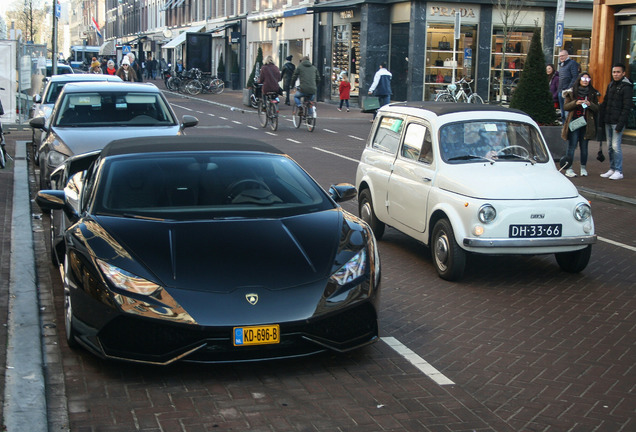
336	154
182	107
330	131
210	114
417	361
615	243
355	137
294	141
237	122
223	118
271	133
252	127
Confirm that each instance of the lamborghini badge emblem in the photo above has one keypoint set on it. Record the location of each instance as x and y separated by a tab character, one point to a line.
251	298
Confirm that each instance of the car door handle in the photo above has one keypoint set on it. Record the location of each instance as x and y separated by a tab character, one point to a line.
426	179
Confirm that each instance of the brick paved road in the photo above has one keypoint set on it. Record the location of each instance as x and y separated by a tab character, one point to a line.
529	347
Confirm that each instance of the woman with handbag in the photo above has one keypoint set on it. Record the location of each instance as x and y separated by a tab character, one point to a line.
581	103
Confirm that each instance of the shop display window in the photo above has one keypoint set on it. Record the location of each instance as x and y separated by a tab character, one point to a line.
514	57
577	44
346	57
442	60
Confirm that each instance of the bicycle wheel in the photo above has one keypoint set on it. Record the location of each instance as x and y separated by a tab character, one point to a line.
272	114
3	158
262	113
310	120
444	97
217	86
297	117
170	83
475	98
194	87
461	97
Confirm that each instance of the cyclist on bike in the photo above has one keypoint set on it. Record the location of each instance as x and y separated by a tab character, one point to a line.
269	77
309	78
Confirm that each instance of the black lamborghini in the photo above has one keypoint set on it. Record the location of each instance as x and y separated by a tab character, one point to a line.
209	250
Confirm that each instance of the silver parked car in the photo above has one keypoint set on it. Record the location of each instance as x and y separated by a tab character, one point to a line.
43	104
89	115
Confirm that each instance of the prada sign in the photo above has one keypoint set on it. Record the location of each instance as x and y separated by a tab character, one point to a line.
450	12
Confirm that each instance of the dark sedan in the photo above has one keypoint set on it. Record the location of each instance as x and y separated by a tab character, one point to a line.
88	115
210	250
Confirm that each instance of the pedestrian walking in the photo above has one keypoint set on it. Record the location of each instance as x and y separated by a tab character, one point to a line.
287	73
110	68
581	102
134	65
615	110
553	81
381	86
568	72
152	67
125	72
344	88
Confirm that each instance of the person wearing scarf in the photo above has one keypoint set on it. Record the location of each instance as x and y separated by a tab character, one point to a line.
581	100
110	68
125	72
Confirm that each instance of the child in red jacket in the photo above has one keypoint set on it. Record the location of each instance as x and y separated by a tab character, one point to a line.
345	90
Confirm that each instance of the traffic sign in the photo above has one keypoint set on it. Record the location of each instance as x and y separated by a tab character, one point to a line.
558	39
126	49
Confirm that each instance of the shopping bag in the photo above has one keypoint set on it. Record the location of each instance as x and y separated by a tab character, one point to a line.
370	103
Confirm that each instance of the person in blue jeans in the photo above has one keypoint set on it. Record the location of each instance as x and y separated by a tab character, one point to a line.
616	107
381	86
580	101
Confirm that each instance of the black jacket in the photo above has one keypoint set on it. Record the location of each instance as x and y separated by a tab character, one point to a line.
618	103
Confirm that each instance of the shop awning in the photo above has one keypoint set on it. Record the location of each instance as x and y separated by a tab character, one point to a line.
628	11
337	5
181	38
223	27
107	48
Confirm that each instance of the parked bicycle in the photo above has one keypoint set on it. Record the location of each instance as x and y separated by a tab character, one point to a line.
306	114
459	91
212	84
268	111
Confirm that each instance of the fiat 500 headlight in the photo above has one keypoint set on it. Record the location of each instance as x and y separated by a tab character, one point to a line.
582	212
487	213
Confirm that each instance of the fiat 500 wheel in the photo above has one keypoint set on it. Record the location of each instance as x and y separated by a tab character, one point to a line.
575	261
448	258
365	209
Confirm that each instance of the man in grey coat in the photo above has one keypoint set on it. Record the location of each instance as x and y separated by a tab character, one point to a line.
568	73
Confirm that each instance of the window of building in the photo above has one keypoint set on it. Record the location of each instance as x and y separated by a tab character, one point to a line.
445	56
510	59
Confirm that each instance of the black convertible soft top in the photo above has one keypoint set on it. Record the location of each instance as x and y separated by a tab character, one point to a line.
441	108
186	143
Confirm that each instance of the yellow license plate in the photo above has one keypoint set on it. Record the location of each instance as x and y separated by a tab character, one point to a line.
257	335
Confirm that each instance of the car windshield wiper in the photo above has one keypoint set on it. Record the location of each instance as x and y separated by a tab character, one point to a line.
516	156
471	157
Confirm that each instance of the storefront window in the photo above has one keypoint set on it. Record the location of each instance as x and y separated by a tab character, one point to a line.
513	56
445	57
577	44
346	57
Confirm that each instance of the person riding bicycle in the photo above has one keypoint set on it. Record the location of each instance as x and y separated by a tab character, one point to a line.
309	78
269	77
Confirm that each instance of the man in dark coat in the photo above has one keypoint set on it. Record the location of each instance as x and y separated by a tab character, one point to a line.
287	73
615	110
568	74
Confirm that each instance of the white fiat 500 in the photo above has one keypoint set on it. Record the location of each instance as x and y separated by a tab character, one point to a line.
465	178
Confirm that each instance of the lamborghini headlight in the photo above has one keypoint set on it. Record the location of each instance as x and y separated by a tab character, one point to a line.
352	270
127	281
